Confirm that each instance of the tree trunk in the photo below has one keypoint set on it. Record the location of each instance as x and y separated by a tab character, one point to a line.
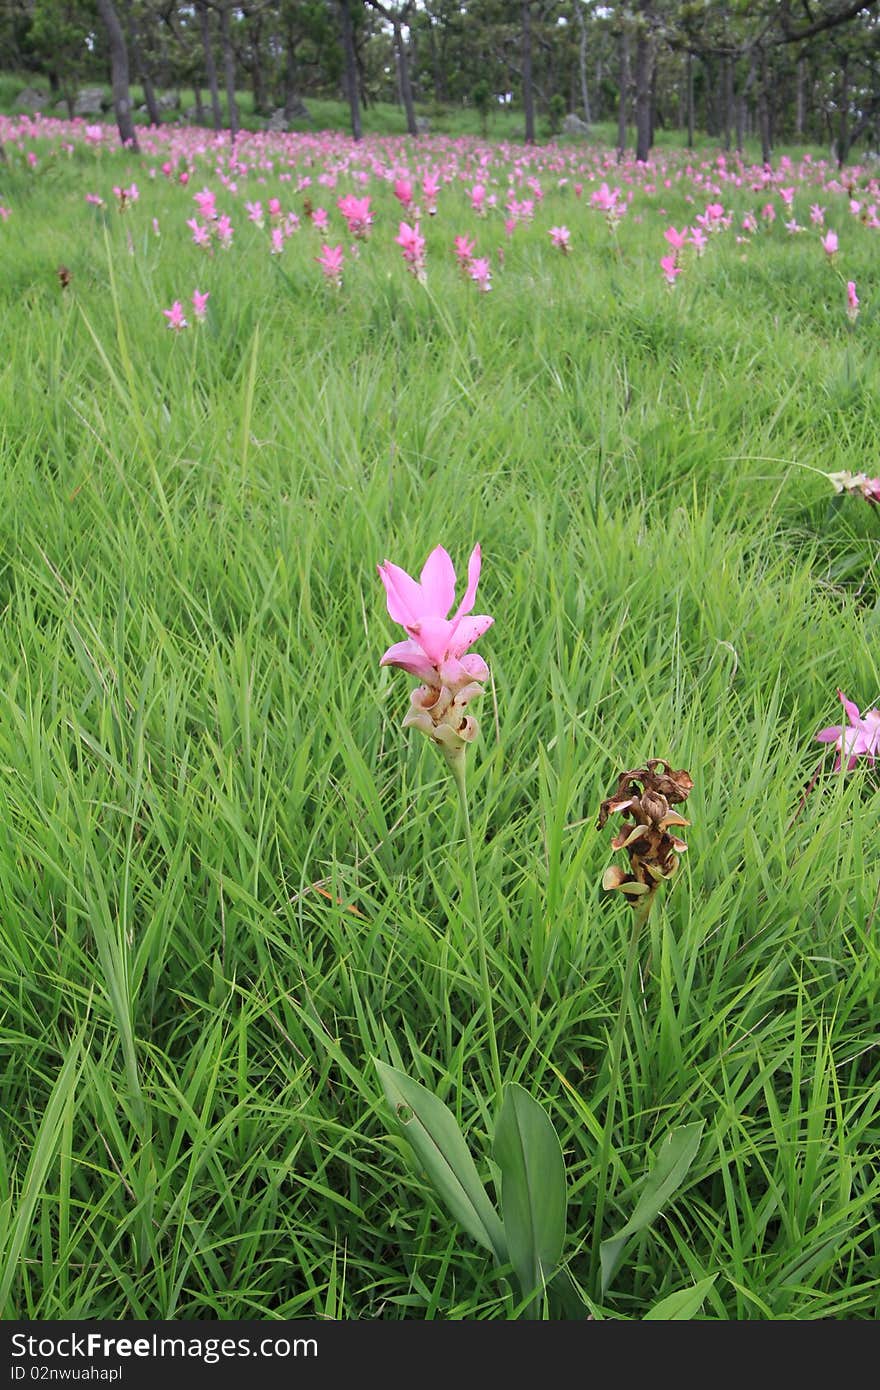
210	65
118	73
528	89
623	53
258	72
689	79
142	67
229	66
764	114
406	96
350	67
582	61
799	96
294	106
200	110
728	118
643	94
843	103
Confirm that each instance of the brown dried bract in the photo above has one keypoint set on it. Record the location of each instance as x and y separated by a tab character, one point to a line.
646	794
64	276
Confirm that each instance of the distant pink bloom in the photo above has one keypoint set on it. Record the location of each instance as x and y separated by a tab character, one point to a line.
206	202
676	239
561	238
95	200
768	212
817	215
4	212
830	244
156	226
356	212
480	272
174	315
787	196
671	269
255	213
277	240
200	233
464	249
697	240
510	225
749	222
852	301
403	192
412	244
478	199
200	304
225	231
330	261
274	207
320	219
32	159
859	738
430	189
578	189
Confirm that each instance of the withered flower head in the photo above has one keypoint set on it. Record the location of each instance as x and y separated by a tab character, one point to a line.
647	795
64	276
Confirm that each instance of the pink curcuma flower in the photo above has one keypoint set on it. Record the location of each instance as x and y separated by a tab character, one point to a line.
561	238
175	317
671	269
480	271
356	212
676	239
200	304
412	244
464	250
859	738
852	301
436	649
830	244
403	192
330	261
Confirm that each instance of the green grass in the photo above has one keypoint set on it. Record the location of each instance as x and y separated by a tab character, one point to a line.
196	738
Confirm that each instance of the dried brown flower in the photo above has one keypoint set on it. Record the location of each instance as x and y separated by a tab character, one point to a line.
64	276
647	795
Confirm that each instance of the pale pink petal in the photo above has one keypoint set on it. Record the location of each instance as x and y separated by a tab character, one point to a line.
852	711
470	597
475	666
467	632
410	657
830	735
433	636
438	584
404	594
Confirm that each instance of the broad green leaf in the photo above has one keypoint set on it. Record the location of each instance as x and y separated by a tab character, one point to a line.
437	1141
677	1153
682	1305
533	1196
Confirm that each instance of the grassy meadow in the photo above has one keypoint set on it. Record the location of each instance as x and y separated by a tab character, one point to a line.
229	881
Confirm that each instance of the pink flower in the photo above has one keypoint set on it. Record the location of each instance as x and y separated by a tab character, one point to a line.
330	261
480	272
206	204
403	192
255	213
200	234
561	237
817	215
225	231
320	219
671	269
697	240
436	649
676	239
95	200
852	301
200	304
412	244
175	318
430	188
277	239
464	250
830	244
356	212
478	198
860	737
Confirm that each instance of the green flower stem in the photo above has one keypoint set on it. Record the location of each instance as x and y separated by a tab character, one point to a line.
457	765
640	917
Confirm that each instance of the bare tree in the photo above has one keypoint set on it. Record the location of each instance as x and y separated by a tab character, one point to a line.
119	73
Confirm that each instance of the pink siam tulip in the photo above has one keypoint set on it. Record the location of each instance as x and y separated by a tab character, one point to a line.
817	215
200	233
430	189
200	305
356	212
561	238
330	261
859	738
276	237
255	213
175	317
671	269
830	244
677	240
697	239
403	192
95	200
412	244
206	204
480	272
857	484
225	231
852	301
478	199
464	250
321	219
436	649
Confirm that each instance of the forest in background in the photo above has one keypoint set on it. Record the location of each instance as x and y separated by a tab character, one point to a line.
771	70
